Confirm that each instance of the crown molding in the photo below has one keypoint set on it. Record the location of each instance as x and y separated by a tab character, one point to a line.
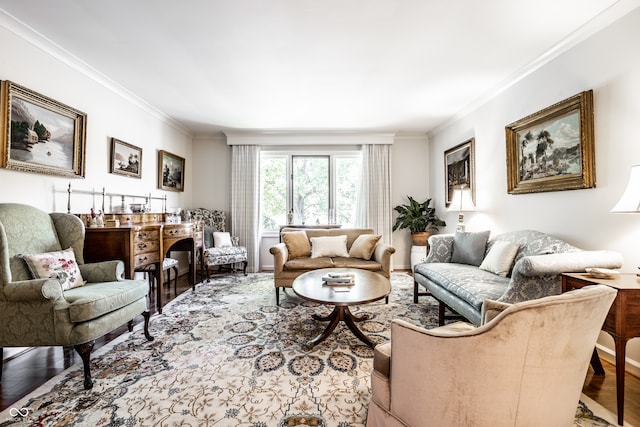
33	37
307	138
598	23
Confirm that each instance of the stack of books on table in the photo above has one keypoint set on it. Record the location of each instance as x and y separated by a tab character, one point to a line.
339	280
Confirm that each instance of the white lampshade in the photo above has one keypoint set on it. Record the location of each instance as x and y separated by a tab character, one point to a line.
462	200
630	200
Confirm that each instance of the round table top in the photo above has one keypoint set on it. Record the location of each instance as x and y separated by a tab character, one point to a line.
368	287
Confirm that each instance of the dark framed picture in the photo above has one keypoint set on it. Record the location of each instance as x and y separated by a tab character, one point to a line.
40	134
170	171
553	149
126	159
459	169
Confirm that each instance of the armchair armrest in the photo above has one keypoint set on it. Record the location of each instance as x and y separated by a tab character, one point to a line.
538	276
104	271
440	248
382	254
33	290
536	265
280	256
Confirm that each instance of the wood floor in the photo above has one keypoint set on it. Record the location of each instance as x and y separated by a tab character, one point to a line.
25	372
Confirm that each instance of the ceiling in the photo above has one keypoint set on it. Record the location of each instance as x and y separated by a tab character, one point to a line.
308	65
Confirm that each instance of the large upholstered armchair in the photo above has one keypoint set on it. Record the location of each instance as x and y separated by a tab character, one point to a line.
525	367
49	296
220	248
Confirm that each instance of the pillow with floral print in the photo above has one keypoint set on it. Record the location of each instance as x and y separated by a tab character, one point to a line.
61	265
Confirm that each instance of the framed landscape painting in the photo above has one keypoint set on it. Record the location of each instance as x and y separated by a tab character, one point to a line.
170	171
553	149
40	134
459	169
126	159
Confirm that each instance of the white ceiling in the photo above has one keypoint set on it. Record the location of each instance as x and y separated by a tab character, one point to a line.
309	65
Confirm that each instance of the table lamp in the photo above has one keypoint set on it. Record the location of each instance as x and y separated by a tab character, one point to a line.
462	201
630	200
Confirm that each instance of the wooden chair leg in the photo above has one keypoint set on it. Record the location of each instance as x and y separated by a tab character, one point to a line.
244	267
147	316
175	281
277	295
84	350
1	361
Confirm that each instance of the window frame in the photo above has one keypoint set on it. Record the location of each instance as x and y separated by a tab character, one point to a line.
289	154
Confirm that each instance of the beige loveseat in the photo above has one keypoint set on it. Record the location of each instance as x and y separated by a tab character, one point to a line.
296	255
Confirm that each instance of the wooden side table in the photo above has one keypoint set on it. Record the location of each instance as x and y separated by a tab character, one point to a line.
622	322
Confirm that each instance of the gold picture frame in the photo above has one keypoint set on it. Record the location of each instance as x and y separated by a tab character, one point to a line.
553	149
40	134
126	159
170	171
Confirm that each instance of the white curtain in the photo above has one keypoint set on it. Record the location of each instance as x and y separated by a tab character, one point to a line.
374	201
245	200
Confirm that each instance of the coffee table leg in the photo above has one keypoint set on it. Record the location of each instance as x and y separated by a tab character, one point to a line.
349	319
340	313
333	319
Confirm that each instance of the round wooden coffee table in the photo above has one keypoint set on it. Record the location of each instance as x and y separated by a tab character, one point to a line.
368	287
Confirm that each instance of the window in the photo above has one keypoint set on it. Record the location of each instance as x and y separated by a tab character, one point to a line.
317	188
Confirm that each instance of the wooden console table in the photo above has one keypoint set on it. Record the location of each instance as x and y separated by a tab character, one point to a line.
144	243
622	322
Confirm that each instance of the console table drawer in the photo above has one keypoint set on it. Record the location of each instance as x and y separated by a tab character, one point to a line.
146	258
142	246
144	234
181	230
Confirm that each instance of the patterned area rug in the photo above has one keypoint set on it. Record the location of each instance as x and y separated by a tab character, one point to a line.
226	355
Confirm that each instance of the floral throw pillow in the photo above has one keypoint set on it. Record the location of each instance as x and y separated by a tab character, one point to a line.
60	264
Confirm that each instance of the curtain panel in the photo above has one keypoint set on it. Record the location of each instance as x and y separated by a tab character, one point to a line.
374	204
245	200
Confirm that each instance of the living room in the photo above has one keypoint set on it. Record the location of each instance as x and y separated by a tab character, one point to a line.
602	56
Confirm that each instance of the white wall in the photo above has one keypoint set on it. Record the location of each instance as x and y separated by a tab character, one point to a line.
608	63
212	178
410	177
108	115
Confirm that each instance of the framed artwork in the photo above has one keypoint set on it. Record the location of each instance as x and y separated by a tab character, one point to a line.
553	149
459	169
170	171
40	134
126	159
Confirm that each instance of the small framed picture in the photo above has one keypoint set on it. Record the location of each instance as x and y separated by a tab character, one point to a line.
170	171
126	159
459	169
553	149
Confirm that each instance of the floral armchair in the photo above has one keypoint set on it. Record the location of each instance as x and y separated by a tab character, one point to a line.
49	296
220	248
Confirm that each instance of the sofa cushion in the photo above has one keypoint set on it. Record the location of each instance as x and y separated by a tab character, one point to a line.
364	246
308	263
97	299
329	246
469	248
297	244
499	259
363	264
59	264
466	282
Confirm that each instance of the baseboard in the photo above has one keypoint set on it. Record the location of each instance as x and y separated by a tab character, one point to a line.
631	366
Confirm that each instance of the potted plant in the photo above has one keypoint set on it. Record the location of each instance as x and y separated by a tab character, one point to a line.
419	218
